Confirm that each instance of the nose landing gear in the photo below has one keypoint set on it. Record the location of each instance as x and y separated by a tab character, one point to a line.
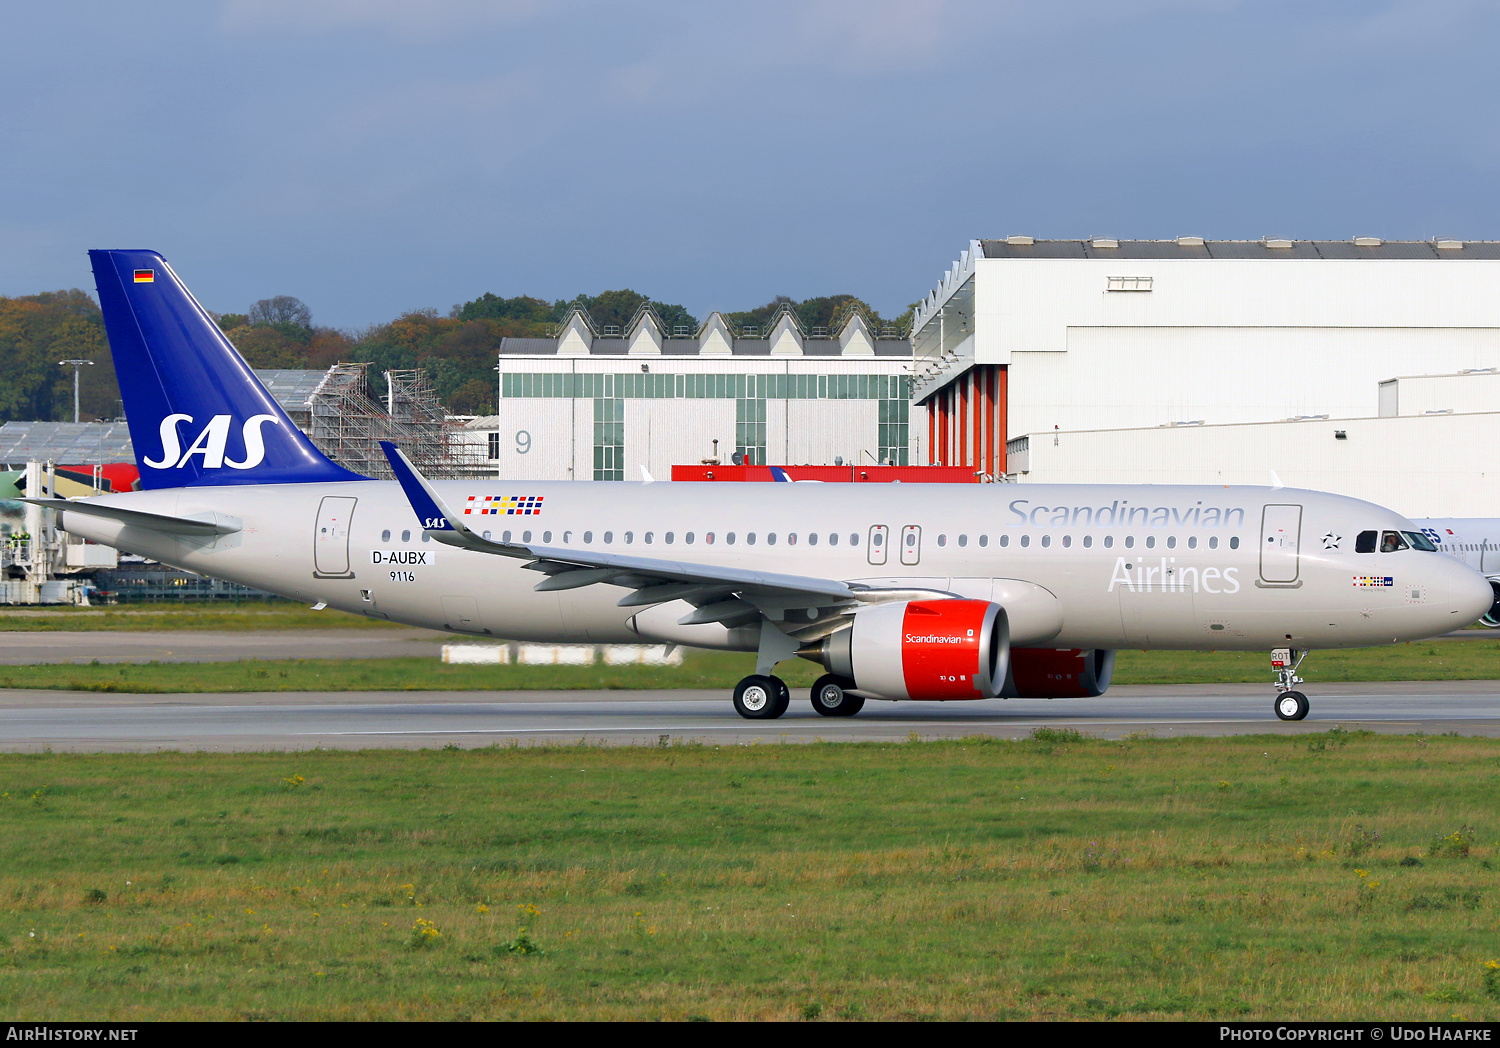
1291	705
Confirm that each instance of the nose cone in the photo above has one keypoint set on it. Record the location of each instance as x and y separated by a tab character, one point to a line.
1472	596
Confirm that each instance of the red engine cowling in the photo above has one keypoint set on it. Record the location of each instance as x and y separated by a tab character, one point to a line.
1058	673
924	649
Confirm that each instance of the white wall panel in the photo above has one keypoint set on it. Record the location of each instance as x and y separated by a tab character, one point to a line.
1460	394
662	433
821	430
546	423
1150	376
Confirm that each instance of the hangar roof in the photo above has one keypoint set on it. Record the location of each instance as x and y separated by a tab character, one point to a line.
1196	247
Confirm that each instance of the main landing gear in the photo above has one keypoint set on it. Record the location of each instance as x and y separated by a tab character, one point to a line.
761	697
831	698
1291	705
764	697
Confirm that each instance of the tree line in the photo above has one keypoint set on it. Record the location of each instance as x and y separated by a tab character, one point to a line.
457	350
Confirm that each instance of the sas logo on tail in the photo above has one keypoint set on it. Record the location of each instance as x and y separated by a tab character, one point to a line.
211	443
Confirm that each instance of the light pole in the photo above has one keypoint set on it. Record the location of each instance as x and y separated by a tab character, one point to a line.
76	365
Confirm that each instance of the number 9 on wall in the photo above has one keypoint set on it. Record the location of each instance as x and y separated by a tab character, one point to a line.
523	442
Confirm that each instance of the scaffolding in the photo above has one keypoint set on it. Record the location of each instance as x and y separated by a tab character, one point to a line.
347	423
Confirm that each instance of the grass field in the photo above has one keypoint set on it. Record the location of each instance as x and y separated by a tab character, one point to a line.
252	615
1337	876
1428	660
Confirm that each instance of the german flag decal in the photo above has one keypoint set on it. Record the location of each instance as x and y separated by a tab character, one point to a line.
145	276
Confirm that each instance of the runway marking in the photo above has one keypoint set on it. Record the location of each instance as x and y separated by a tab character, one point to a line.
742	727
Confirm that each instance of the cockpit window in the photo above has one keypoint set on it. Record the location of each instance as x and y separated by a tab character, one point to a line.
1392	542
1420	541
1366	542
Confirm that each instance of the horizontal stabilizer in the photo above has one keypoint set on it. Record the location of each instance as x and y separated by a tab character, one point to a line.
207	524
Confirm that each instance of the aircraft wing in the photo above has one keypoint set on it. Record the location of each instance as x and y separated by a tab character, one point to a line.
732	596
205	524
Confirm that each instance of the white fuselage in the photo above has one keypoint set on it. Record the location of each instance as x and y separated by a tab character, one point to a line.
1077	566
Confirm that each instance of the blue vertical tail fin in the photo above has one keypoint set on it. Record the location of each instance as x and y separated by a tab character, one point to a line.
197	413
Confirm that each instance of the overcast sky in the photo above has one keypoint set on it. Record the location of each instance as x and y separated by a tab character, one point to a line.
372	156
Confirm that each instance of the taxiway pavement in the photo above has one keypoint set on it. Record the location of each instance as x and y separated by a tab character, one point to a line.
32	720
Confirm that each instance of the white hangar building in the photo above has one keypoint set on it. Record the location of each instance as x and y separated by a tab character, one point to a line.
594	404
1184	359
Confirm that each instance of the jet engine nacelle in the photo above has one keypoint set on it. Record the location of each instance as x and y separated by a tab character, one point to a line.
923	649
1492	617
1058	673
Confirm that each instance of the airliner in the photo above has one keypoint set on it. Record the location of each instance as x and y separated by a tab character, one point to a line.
910	592
1476	542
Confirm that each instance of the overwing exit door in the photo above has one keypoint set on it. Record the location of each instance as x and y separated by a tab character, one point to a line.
911	544
331	537
1280	536
876	546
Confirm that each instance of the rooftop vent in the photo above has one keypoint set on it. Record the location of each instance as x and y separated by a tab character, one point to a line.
1477	371
1189	241
1192	422
1366	241
1020	241
1444	244
1438	411
1104	242
1278	243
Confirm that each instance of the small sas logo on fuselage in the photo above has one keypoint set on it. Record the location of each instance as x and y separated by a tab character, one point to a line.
1374	580
504	505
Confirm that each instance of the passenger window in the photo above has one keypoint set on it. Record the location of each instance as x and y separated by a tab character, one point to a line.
670	538
1392	542
984	540
1046	541
609	536
833	538
630	536
385	536
688	538
1109	542
750	538
588	538
567	538
942	540
485	535
729	538
505	536
1025	540
547	537
1234	542
1150	541
1171	542
525	536
1067	541
1130	542
1088	542
812	538
963	540
1213	541
878	539
854	538
1005	540
709	538
1192	542
406	536
791	540
771	539
649	537
1365	543
426	537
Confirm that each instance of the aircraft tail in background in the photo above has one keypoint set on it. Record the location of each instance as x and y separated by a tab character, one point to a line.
196	411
